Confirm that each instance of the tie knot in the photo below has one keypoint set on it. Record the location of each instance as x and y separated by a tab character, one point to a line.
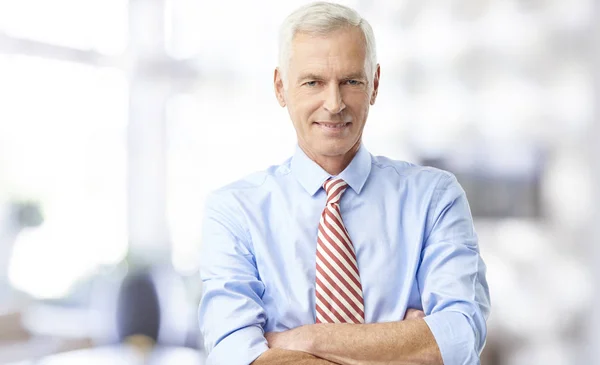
334	188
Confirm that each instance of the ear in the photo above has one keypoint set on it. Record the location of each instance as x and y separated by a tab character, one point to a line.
279	90
375	85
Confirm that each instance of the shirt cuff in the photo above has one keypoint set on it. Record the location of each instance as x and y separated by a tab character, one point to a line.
241	347
454	337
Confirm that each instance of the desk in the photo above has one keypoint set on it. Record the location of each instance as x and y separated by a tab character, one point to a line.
122	355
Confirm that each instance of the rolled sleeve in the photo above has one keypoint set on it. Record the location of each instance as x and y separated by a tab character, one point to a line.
451	277
231	311
454	337
240	347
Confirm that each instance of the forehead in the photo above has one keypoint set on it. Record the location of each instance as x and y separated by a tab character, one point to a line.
342	50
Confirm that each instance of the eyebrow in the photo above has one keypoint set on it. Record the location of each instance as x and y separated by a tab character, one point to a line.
309	76
352	76
357	75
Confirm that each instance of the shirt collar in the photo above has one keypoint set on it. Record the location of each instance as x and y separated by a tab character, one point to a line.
311	176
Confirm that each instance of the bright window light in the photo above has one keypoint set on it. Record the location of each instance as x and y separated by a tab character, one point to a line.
63	145
93	24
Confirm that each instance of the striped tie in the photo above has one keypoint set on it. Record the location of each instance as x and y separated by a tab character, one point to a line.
338	290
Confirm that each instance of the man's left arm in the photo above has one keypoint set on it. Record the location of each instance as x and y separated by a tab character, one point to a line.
404	342
454	294
451	277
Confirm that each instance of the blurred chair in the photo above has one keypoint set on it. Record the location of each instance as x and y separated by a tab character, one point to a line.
153	308
138	308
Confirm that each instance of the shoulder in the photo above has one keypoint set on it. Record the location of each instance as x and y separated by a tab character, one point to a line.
412	173
257	182
228	205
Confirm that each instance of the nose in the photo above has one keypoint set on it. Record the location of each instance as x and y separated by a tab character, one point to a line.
333	99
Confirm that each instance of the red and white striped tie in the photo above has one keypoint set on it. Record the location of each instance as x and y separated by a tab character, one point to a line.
338	290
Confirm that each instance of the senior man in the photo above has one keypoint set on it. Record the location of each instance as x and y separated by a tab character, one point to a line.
336	255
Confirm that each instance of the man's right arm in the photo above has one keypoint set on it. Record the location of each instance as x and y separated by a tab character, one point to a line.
277	356
231	312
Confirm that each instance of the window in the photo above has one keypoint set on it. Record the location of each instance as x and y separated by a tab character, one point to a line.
62	146
99	25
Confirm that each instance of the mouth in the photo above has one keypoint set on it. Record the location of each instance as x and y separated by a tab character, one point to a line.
333	125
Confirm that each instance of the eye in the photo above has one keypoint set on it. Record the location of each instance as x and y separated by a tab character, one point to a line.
353	82
311	83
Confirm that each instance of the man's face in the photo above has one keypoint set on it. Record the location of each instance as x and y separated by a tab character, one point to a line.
328	92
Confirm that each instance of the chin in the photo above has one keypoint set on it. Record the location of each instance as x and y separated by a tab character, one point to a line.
333	150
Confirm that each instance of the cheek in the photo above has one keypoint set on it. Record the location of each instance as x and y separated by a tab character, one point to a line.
307	107
301	114
356	97
357	104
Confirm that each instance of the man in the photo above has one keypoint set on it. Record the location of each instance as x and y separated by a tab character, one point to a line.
338	256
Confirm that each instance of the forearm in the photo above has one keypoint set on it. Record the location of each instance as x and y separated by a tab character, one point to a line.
399	343
287	357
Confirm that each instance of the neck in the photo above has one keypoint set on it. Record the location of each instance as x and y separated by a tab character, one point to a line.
334	165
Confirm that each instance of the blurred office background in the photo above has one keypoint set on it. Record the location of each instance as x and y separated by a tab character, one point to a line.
117	117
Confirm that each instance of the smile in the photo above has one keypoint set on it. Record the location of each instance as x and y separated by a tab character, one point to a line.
333	126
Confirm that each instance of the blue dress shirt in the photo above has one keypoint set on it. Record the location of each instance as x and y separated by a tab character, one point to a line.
414	240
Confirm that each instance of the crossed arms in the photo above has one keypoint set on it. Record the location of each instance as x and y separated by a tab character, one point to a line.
450	277
405	342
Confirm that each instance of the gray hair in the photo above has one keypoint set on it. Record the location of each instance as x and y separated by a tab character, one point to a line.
322	18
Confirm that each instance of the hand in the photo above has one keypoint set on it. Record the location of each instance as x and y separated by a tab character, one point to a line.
414	314
297	339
